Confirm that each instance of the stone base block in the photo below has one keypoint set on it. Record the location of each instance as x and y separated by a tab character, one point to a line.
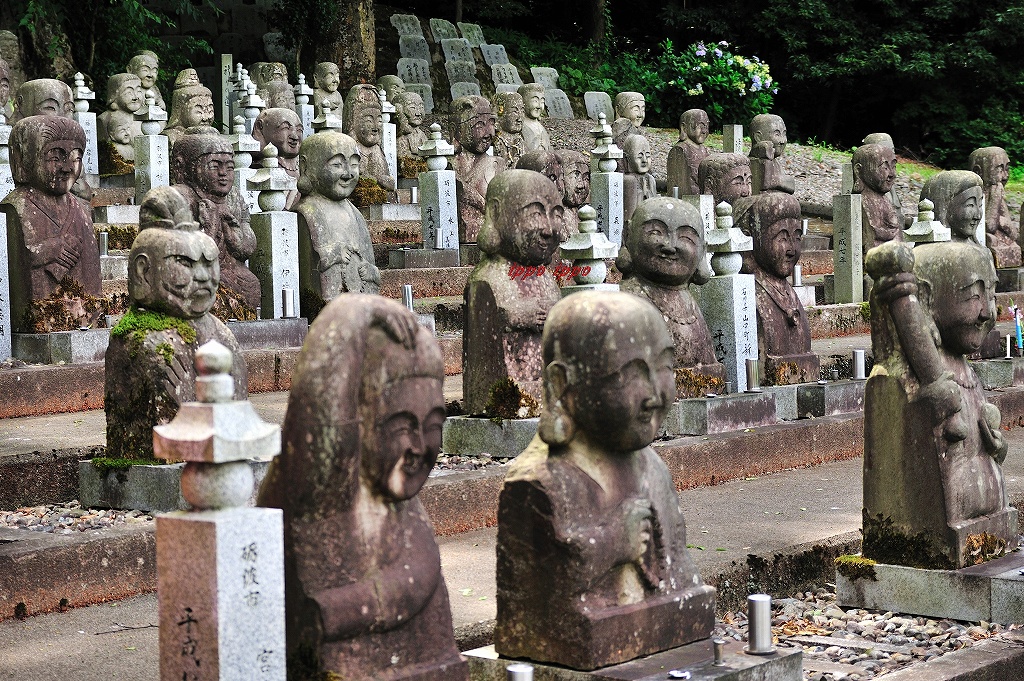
391	211
270	333
790	369
113	267
785	401
816	242
61	347
144	488
829	282
994	373
1010	279
407	183
828	399
576	288
116	215
707	415
126	181
1018	370
993	591
422	258
806	294
469	254
471	436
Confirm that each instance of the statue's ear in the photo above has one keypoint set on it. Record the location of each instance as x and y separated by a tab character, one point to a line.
139	279
556	426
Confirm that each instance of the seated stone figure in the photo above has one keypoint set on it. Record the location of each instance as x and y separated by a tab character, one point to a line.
191	105
335	251
326	79
592	567
630	111
124	94
116	153
364	593
363	122
411	135
50	235
934	495
282	128
1001	232
576	171
768	143
724	176
146	65
664	254
684	158
885	139
547	164
203	170
472	124
957	195
874	173
638	182
535	135
508	139
271	80
783	333
6	103
173	274
504	315
43	96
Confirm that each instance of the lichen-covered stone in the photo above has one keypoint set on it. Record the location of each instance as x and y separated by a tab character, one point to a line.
768	143
685	156
874	173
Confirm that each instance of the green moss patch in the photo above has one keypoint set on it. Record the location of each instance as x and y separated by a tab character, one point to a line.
983	547
106	464
885	543
136	323
856	567
690	383
506	400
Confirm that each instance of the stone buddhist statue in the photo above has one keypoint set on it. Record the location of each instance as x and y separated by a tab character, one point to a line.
957	195
535	135
576	171
934	495
43	96
364	593
768	143
549	165
472	124
335	251
173	274
592	566
124	94
638	182
885	139
326	79
116	152
783	332
630	111
411	135
6	103
50	237
363	122
664	254
203	170
271	80
684	158
282	128
874	172
725	176
191	105
393	86
1001	232
503	315
146	65
508	139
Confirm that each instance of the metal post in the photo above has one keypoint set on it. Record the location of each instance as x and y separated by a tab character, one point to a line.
759	624
407	295
859	372
753	376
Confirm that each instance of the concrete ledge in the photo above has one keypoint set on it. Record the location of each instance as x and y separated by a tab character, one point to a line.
33	391
270	333
704	415
472	436
67	347
814	400
42	477
395	231
426	283
830	321
420	258
118	214
994	373
113	267
392	211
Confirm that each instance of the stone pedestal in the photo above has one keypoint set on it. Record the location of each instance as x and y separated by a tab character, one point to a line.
606	182
389	137
847	248
722	414
814	400
587	251
471	436
439	208
422	258
394	211
60	347
732	139
729	305
152	155
790	369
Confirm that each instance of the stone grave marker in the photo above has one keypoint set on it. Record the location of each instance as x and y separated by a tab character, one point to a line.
457	49
440	210
464	90
598	103
414	71
244	146
276	260
407	24
152	156
6	176
606	181
505	87
546	76
493	54
425	92
389	138
442	29
414	47
506	74
472	32
558	104
303	105
222	96
732	139
461	72
847	249
86	119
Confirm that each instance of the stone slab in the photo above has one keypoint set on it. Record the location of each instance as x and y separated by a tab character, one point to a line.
425	92
270	333
457	49
67	347
416	258
461	72
808	295
505	74
785	401
847	252
816	242
391	211
606	198
412	70
988	660
504	87
706	415
152	163
472	436
414	47
442	29
471	32
113	267
276	261
407	24
439	209
599	103
90	159
815	400
994	373
494	54
732	139
464	90
728	305
116	215
558	104
546	76
1010	279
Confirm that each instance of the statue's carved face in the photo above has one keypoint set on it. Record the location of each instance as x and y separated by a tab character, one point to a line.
534	228
964	307
777	249
184	274
477	133
147	72
368	127
199	111
45	97
735	183
61	166
120	130
285	133
965	212
696	128
339	176
216	173
639	155
129	95
535	105
5	90
636	112
995	168
414	111
328	79
667	254
512	119
577	184
773	131
408	436
879	170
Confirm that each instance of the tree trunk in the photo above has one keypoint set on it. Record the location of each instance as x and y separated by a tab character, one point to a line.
597	26
458	11
354	48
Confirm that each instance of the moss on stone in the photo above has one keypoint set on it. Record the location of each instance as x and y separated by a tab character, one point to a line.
781	373
68	308
505	400
885	543
136	323
856	567
690	383
983	547
120	237
166	350
106	464
369	193
865	311
410	167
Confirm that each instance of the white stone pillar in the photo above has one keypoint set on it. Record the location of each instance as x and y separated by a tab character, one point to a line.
276	260
389	139
303	93
732	139
705	205
221	566
439	209
848	248
606	182
244	145
152	157
90	159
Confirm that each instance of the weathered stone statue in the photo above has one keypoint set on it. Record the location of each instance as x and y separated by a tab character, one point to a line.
191	105
592	562
410	112
173	274
535	135
576	171
116	152
282	128
665	253
638	182
335	251
1001	232
768	137
508	139
50	236
393	86
504	315
885	139
934	495
203	170
364	593
783	333
146	65
874	172
43	96
363	122
724	176
684	158
472	124
6	103
630	111
957	195
271	80
124	94
326	79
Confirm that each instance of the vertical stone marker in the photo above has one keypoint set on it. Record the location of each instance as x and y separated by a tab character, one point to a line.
223	97
440	210
252	105
244	145
732	139
598	103
407	24
442	29
414	71
494	54
848	247
389	137
457	49
152	157
472	32
303	106
276	260
221	566
86	119
546	76
414	47
606	181
6	176
558	104
6	187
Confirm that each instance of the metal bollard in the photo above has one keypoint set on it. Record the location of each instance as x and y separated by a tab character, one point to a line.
675	192
753	376
415	195
1009	339
407	295
719	644
103	243
803	226
759	624
859	371
287	303
519	672
798	276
